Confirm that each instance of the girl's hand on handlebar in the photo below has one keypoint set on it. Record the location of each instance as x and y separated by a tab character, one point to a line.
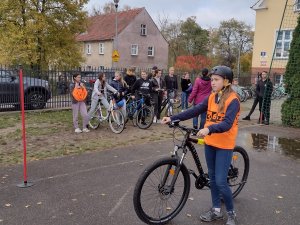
166	120
203	132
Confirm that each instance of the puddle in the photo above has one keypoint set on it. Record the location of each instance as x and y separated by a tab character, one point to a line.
284	146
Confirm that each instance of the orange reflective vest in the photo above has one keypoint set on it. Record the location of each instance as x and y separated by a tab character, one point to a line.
225	140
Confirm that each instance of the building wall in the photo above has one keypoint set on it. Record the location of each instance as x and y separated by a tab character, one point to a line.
95	59
267	23
131	35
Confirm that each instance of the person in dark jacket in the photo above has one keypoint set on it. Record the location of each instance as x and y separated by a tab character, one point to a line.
171	83
259	90
142	86
266	104
158	89
185	84
130	78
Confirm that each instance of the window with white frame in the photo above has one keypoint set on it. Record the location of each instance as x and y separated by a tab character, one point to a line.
88	49
283	44
101	48
297	5
134	49
151	51
143	30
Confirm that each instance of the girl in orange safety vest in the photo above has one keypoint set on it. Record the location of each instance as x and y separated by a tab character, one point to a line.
220	132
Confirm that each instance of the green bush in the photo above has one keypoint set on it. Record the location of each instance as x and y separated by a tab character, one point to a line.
291	107
290	112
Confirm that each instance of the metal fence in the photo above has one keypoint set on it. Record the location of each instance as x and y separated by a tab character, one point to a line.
50	89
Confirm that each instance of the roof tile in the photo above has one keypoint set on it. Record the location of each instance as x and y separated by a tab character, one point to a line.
102	27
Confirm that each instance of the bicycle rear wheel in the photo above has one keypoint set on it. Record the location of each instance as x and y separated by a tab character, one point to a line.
144	117
155	201
95	119
238	171
116	121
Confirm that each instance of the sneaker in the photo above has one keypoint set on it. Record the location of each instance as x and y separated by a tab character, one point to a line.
246	118
154	119
158	121
231	218
78	130
85	130
211	215
266	122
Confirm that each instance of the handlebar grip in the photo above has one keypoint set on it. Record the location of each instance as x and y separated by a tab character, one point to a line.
201	141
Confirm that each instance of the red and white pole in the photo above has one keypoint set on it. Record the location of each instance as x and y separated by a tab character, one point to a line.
25	182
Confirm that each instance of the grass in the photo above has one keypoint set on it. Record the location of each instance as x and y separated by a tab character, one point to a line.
50	134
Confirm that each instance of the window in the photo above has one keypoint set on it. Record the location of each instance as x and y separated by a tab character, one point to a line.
283	43
134	49
88	49
143	30
151	51
297	5
101	48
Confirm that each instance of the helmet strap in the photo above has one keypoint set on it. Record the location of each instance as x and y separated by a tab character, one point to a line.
226	83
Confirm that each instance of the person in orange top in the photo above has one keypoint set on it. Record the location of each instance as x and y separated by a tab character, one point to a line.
220	132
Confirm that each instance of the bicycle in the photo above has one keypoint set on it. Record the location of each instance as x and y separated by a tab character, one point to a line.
113	115
137	111
166	183
171	104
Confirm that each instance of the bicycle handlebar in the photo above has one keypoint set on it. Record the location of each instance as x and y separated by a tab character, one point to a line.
175	124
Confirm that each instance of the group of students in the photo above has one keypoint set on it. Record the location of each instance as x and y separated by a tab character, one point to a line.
152	85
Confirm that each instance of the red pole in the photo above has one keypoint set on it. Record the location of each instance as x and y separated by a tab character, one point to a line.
25	184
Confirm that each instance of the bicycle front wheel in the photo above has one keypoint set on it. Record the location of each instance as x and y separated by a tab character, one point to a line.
95	119
116	121
144	117
155	200
238	171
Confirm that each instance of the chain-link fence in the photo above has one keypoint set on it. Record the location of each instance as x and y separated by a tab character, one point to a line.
276	92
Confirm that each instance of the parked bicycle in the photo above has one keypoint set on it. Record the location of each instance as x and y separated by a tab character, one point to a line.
163	188
112	115
137	111
170	104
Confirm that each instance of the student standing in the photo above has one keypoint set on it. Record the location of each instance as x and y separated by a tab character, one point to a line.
220	132
78	96
201	90
185	86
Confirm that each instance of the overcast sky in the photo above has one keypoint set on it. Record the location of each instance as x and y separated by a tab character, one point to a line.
208	13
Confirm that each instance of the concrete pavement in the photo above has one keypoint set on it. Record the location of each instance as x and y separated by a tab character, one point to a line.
97	188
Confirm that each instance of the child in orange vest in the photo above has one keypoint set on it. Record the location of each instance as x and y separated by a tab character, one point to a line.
219	132
78	97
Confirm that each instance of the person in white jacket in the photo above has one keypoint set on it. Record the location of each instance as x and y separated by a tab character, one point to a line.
100	93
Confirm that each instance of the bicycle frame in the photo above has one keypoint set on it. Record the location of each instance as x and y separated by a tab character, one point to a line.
166	102
135	105
188	146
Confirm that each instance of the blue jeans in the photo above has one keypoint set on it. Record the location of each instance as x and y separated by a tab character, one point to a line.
218	162
202	122
184	100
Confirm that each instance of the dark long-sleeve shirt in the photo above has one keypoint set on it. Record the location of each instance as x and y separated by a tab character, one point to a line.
230	115
171	82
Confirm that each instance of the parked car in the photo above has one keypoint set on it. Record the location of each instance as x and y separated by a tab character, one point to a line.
36	91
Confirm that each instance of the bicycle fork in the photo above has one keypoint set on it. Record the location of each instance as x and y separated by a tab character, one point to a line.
164	188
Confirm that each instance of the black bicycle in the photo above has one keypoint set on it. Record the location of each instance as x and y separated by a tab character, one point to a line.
163	188
170	104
